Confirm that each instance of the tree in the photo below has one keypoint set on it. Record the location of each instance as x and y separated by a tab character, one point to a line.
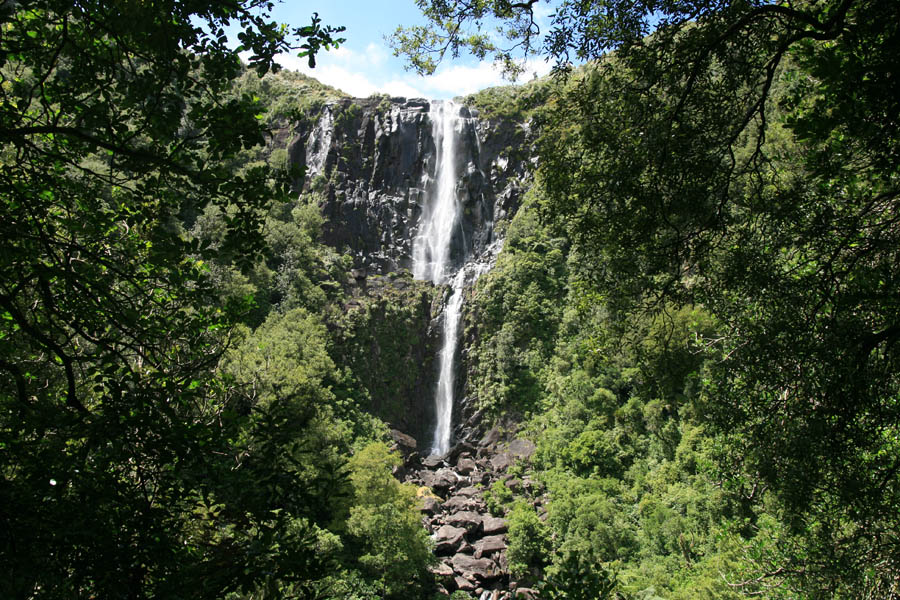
116	433
744	158
384	518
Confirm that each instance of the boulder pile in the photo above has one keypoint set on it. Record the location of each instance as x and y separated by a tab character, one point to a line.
469	541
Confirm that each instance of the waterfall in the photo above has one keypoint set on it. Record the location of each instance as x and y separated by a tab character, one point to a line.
446	378
432	260
441	224
431	249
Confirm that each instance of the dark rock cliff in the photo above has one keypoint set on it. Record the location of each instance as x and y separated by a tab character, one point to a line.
371	159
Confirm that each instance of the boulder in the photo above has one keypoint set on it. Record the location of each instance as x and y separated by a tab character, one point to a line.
441	569
493	525
464	584
430	505
458	503
521	448
459	449
469	520
470	567
405	443
501	462
489	545
514	485
464	466
447	539
468	491
412	459
440	480
491	437
433	461
526	594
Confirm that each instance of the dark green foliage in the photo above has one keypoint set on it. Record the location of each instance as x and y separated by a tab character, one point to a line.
383	336
578	579
775	213
529	541
392	547
129	467
629	473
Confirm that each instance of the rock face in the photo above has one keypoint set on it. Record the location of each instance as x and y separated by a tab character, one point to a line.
371	159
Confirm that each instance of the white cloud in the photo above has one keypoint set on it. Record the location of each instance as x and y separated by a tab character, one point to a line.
375	54
404	89
459	80
363	74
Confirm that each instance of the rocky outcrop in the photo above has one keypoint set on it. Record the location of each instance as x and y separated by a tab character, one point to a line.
388	335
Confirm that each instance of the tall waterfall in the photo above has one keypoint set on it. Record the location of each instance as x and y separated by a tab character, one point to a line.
432	260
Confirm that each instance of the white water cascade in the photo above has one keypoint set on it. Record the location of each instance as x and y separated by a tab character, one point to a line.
432	260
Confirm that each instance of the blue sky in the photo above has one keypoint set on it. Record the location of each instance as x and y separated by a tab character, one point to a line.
365	64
